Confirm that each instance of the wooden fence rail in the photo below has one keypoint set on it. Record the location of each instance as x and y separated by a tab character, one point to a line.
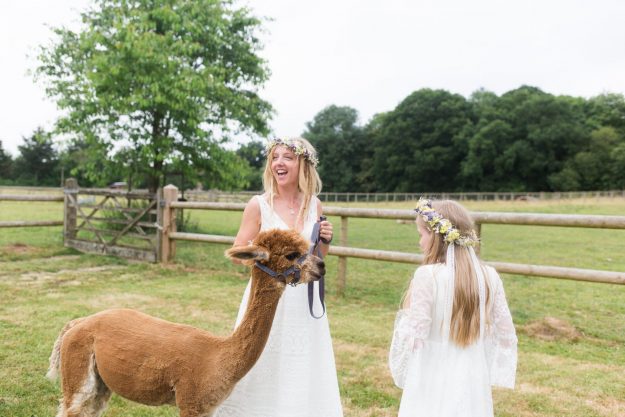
31	198
343	251
329	197
13	197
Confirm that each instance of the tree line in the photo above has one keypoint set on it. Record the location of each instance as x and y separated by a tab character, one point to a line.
434	140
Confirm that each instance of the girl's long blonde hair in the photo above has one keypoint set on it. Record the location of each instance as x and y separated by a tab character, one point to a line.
309	182
465	316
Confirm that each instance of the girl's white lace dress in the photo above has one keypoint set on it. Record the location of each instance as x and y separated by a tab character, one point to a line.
439	378
295	375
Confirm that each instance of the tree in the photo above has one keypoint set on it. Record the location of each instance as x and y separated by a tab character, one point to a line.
227	171
339	141
37	163
593	166
366	177
618	162
78	160
521	139
607	110
6	165
252	152
169	79
484	167
419	146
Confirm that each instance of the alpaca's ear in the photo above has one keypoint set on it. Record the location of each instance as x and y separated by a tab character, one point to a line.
248	254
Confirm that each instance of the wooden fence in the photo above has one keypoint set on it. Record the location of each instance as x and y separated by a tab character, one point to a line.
160	234
30	198
340	249
112	222
102	221
329	197
218	196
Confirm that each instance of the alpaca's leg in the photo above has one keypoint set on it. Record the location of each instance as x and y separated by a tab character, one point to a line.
85	394
190	413
97	404
62	411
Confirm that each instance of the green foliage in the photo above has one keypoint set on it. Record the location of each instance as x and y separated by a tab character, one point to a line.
421	143
337	137
523	140
607	110
252	153
164	80
6	166
225	170
595	166
37	163
617	157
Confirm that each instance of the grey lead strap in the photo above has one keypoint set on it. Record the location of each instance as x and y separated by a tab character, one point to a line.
311	285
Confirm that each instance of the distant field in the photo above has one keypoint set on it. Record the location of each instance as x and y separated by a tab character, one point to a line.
571	334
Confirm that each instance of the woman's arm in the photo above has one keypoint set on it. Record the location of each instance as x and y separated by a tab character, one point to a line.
325	231
250	224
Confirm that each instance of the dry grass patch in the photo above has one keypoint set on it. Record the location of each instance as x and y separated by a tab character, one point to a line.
607	406
64	276
19	249
552	329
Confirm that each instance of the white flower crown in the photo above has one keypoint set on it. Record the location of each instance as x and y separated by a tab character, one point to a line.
441	225
295	146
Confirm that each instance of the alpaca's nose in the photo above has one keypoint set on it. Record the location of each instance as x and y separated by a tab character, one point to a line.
322	267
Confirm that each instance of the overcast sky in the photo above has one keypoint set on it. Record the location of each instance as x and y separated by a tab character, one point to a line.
367	54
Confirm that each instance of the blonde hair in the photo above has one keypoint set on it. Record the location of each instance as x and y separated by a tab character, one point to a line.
309	182
465	316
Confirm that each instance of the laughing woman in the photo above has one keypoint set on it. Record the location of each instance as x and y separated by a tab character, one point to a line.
295	375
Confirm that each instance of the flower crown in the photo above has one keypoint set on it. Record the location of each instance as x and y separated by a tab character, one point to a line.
441	225
295	146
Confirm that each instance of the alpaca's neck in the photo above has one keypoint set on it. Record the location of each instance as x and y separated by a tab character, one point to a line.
249	338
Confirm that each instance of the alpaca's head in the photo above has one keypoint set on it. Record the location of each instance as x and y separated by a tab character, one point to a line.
279	250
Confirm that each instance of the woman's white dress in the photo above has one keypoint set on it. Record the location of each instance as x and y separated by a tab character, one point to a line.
295	375
439	378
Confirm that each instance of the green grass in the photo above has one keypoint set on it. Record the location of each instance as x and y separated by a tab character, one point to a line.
43	285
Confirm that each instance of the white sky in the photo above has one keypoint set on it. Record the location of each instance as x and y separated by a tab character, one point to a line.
367	54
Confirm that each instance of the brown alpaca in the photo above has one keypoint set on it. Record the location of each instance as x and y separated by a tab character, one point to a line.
153	361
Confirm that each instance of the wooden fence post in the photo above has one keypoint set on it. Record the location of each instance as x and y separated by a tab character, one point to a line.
160	209
168	217
69	208
478	232
342	259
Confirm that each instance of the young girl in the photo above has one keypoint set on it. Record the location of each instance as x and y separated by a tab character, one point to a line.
295	375
453	337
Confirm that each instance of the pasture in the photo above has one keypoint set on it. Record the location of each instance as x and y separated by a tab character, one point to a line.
571	334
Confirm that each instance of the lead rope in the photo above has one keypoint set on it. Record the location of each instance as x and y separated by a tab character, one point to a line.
314	249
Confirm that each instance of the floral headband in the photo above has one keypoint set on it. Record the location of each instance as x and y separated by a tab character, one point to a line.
441	225
295	146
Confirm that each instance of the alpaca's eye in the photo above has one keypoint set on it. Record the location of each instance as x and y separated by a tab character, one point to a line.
292	256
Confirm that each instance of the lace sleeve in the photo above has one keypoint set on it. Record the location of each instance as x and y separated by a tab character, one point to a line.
412	324
502	355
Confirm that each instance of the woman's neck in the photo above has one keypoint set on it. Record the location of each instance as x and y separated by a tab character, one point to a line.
288	194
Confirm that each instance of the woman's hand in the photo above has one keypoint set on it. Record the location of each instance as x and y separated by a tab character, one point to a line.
325	232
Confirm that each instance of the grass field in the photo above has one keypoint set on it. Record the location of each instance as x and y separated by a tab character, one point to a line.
571	334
